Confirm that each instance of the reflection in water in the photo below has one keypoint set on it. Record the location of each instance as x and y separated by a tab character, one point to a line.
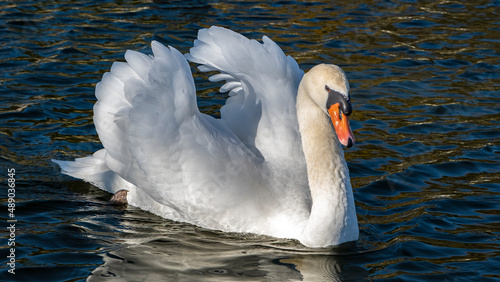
141	263
176	251
424	85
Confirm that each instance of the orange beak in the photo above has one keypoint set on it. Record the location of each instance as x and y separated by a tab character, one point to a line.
341	125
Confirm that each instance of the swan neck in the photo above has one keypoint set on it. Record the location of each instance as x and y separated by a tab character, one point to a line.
333	217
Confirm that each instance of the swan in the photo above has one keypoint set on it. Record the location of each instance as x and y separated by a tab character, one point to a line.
273	164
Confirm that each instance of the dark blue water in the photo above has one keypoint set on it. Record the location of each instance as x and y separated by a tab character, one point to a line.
425	80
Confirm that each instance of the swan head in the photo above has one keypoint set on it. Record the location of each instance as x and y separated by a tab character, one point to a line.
328	87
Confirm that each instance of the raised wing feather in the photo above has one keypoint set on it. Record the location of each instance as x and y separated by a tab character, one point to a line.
262	84
156	138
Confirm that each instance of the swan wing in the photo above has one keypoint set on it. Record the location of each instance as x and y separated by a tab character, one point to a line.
262	83
156	138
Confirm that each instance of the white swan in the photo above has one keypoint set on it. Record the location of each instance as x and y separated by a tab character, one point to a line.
272	164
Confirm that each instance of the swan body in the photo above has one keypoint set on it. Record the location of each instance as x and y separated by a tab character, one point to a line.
273	164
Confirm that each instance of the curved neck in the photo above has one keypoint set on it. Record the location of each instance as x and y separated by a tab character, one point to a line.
333	216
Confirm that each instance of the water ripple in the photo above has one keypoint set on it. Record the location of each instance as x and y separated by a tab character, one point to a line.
424	79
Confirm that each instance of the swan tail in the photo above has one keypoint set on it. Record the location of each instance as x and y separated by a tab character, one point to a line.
93	169
262	83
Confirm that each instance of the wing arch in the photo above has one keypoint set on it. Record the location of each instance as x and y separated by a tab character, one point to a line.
156	138
262	83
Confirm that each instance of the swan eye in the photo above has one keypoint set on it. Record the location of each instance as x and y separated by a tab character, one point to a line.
327	88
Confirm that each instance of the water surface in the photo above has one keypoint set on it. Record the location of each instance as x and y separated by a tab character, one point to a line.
425	170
